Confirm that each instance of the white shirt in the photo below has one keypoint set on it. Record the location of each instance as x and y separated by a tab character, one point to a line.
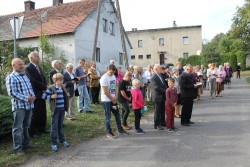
110	82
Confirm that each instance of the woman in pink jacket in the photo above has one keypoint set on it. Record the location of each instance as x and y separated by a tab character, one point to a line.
221	74
137	104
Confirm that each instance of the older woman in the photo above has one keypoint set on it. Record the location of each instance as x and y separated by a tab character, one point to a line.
220	77
212	74
175	76
229	73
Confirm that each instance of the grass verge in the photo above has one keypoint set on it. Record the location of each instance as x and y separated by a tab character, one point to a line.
85	127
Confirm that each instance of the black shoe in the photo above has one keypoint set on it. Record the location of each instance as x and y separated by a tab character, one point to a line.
170	130
191	122
89	111
159	127
185	124
29	147
44	131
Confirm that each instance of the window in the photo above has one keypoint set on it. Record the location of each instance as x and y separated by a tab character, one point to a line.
140	56
105	25
140	44
185	40
112	28
97	55
185	55
148	56
120	58
132	57
161	41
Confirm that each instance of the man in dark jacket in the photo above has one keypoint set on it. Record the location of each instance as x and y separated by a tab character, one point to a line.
39	85
187	94
158	88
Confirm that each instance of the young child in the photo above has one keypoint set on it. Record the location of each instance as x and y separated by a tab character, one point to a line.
171	101
137	104
58	103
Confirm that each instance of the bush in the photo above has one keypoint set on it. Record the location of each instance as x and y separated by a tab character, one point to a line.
6	119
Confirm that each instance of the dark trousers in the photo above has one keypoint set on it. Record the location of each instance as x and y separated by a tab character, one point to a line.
238	74
125	112
137	119
186	112
39	117
94	91
159	115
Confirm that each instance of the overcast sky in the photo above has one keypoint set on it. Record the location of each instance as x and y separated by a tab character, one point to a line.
215	16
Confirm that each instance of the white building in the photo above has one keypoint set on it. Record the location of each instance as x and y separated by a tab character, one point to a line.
71	29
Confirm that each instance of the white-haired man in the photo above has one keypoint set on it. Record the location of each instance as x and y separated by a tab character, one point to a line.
70	83
158	88
56	65
39	85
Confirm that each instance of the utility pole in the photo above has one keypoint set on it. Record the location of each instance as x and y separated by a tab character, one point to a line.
14	19
97	29
122	35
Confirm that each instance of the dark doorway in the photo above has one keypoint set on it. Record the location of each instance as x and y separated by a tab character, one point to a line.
162	58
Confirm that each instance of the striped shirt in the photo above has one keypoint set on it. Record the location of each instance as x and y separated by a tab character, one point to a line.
59	98
19	88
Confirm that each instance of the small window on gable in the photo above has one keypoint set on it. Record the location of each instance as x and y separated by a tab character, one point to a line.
161	41
112	28
105	25
140	44
140	56
148	56
97	55
185	41
132	57
185	55
120	58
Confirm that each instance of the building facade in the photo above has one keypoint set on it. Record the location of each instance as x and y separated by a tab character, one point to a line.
71	28
164	45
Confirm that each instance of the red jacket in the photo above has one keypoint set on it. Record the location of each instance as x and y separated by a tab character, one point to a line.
137	99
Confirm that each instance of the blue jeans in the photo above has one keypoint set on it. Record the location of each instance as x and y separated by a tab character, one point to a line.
57	126
107	112
83	94
20	128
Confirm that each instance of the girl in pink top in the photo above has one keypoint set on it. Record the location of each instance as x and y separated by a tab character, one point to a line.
137	104
171	101
119	76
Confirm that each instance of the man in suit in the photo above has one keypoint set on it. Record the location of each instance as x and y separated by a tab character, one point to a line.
187	87
39	85
57	65
94	83
70	82
158	88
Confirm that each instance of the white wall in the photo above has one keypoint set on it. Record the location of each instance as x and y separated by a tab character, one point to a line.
63	45
110	45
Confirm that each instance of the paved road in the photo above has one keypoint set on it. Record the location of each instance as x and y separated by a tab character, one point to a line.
220	137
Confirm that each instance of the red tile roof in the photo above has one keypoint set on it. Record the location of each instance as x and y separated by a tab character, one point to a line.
60	19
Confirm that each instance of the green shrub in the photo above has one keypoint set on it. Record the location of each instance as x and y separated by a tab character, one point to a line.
6	119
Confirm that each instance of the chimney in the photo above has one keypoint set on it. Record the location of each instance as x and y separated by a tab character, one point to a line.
57	2
29	6
174	24
134	29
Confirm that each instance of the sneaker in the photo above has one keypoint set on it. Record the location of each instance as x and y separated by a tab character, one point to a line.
65	144
123	132
169	130
139	132
20	152
175	129
111	136
126	127
54	148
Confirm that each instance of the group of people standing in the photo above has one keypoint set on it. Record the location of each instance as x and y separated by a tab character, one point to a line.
167	90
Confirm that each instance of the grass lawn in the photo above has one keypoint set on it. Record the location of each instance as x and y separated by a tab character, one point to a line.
86	127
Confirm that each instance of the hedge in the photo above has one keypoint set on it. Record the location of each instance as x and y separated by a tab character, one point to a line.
6	118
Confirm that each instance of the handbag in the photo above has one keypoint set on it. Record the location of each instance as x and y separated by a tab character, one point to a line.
144	109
